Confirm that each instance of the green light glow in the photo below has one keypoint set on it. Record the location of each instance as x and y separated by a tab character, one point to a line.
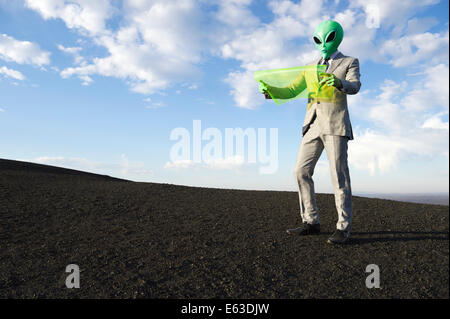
284	85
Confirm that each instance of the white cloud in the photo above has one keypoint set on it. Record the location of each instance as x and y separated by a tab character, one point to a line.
86	79
179	164
244	89
86	15
423	47
155	105
236	14
375	151
273	45
11	73
157	43
435	122
133	168
124	168
1	110
153	44
72	162
420	25
408	122
22	52
75	52
378	151
308	13
359	40
393	14
228	163
78	60
270	46
72	50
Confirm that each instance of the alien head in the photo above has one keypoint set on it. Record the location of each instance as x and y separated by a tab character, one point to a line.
327	37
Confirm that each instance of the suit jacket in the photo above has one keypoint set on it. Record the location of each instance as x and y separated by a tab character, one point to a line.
332	116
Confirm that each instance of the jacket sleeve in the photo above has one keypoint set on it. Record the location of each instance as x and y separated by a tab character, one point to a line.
351	84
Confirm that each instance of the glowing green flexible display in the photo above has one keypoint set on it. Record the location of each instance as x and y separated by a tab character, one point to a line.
311	81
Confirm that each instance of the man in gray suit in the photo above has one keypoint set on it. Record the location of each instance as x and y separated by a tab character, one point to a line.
326	126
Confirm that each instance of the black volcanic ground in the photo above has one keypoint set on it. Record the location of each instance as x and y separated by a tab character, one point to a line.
145	240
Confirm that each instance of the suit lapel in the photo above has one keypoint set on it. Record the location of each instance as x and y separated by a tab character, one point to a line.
336	62
333	65
317	63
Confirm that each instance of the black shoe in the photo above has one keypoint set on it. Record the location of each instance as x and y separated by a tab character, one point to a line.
305	229
339	237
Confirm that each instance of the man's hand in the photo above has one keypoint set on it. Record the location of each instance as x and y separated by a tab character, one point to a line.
262	87
330	80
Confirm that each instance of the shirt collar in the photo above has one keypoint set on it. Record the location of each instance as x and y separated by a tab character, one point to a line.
334	55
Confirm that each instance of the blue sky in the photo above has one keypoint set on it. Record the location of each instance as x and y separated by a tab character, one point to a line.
100	85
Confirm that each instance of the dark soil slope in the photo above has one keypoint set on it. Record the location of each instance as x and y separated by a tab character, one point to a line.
150	240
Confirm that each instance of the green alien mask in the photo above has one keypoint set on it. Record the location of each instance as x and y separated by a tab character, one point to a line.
327	37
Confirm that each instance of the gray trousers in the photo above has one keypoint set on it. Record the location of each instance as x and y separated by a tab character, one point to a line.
311	148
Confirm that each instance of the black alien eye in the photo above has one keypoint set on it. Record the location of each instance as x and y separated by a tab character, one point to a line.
331	36
316	39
